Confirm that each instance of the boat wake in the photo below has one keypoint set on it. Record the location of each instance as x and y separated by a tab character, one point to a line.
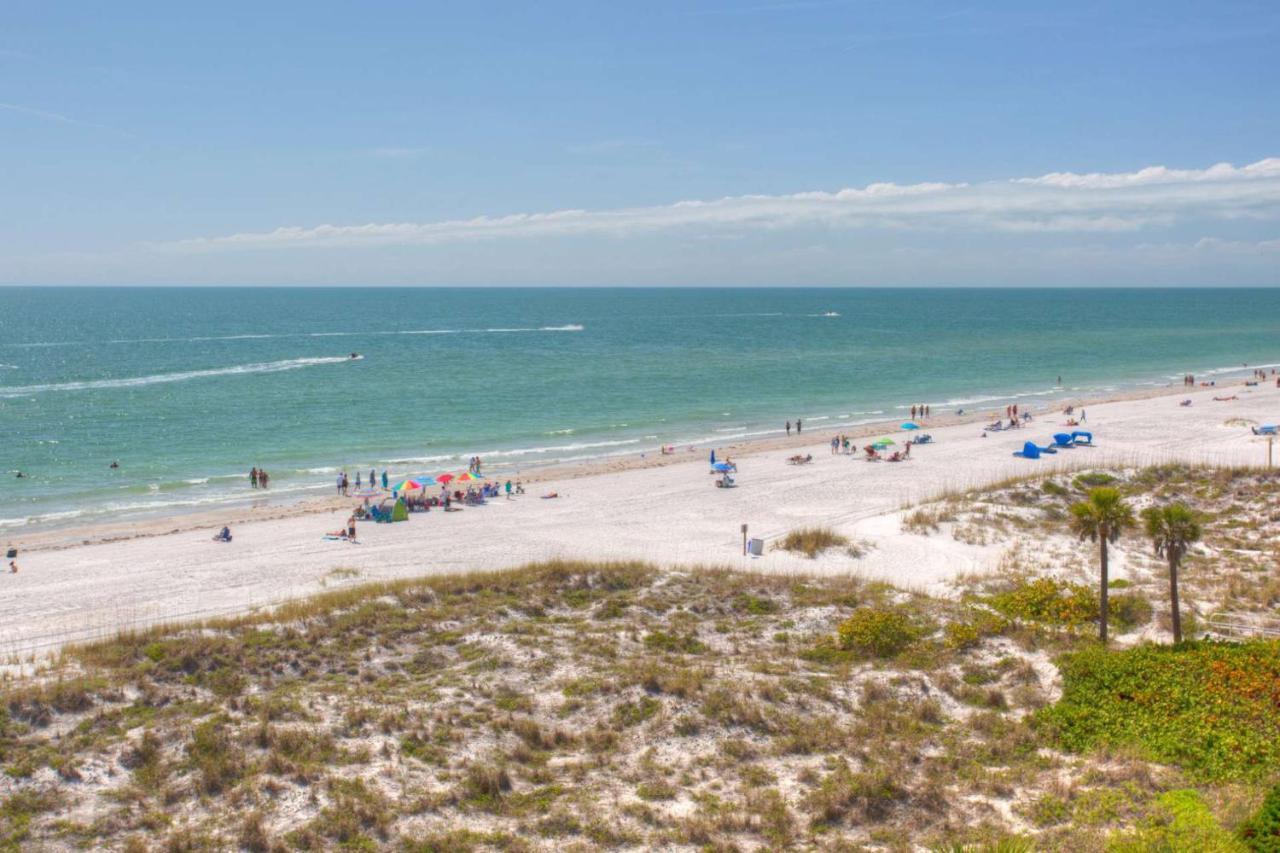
161	378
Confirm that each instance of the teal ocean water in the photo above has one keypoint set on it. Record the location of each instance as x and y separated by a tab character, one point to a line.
189	388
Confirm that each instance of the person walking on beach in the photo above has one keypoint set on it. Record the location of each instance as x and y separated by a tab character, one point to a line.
913	413
507	486
263	479
253	477
384	478
351	528
357	481
339	484
797	426
788	429
373	479
1083	418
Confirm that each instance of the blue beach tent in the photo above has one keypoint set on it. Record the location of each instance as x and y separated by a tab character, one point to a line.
1028	451
1082	437
1062	439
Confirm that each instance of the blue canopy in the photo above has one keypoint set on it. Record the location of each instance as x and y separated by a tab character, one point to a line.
722	466
910	425
1029	451
1082	437
1062	439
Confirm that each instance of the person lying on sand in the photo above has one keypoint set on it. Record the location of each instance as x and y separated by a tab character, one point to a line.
549	495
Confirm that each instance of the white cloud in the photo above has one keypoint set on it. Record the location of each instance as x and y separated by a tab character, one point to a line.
1153	197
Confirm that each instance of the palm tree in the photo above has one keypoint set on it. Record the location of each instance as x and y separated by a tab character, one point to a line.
1102	518
1172	529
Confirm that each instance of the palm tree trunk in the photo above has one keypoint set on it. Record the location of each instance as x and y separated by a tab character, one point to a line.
1173	598
1103	609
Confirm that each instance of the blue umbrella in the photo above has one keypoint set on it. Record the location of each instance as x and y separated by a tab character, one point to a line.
722	466
910	425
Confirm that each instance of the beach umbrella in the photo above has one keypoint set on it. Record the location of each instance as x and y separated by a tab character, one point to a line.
444	478
468	478
427	480
910	425
406	485
883	442
722	466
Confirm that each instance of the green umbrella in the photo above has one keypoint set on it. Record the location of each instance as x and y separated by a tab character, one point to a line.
882	442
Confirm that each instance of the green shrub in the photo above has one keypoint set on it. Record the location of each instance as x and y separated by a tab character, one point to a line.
1181	821
1129	610
1053	487
811	541
968	633
1093	480
1048	601
1205	706
877	631
1261	833
681	643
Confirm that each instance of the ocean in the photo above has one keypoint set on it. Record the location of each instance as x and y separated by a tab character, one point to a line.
186	389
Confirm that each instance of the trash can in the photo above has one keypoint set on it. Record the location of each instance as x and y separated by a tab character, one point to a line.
755	547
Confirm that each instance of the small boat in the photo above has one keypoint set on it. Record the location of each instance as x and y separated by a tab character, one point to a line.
830	314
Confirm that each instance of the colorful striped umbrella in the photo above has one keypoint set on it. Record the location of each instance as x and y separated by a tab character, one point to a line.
407	485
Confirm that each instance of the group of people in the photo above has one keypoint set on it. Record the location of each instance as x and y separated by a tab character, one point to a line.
922	410
474	466
841	444
799	427
344	482
258	478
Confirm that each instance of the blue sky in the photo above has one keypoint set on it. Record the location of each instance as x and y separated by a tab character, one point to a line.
646	143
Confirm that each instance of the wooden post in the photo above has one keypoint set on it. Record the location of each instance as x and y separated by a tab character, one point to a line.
1270	441
744	540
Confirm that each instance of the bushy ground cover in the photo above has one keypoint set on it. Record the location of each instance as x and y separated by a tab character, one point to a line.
571	706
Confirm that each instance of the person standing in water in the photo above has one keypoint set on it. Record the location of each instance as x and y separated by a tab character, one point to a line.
385	481
253	477
788	429
797	426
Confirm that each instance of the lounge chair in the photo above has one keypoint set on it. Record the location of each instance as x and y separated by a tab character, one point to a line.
923	439
1265	429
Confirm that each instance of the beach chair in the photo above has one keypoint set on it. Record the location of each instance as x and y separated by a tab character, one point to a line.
1265	429
923	439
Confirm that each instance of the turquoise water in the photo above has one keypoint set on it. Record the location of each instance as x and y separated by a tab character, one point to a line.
189	388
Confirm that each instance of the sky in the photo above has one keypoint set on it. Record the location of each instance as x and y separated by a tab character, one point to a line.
762	142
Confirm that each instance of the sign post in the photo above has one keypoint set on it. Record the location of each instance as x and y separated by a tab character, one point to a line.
744	540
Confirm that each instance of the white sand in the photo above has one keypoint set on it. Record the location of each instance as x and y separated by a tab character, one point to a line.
670	514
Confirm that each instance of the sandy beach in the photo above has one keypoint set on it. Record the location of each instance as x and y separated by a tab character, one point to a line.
76	584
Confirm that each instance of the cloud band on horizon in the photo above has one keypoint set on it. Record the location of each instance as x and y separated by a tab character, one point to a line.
1056	202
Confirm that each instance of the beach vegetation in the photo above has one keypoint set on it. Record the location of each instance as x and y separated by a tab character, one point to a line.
1172	529
1102	518
575	705
811	541
878	631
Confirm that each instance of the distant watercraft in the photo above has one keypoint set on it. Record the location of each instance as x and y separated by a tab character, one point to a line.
830	314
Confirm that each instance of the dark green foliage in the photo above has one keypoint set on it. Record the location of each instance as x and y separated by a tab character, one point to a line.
1209	707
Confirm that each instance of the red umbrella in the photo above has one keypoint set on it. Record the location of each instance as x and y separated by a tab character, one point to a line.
444	478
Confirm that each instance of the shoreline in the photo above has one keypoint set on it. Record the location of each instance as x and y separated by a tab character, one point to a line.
53	537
